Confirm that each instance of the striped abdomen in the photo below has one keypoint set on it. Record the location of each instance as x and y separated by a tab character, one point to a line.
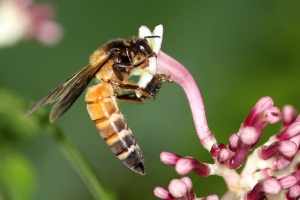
103	109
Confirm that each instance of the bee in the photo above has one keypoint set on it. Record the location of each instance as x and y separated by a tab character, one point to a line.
111	65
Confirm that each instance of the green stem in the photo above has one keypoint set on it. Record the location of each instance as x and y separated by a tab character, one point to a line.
80	164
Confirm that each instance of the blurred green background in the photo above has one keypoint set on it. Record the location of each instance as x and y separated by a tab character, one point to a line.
237	52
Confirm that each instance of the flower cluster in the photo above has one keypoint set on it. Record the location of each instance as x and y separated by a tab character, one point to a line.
271	171
21	19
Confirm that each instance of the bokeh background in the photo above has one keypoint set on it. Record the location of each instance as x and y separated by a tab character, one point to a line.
237	52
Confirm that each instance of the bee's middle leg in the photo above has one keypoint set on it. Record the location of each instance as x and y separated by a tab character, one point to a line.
131	86
130	97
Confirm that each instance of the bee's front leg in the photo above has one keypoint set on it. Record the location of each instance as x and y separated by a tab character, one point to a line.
153	86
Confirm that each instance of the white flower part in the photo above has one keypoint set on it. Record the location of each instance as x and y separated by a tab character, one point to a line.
144	31
146	74
145	79
22	19
14	23
156	42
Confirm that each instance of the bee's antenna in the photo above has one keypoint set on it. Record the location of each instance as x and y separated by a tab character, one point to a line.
152	36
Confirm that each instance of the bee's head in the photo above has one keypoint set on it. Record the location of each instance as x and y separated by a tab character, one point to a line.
141	45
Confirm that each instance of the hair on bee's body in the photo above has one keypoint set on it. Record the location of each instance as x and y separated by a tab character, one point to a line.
111	65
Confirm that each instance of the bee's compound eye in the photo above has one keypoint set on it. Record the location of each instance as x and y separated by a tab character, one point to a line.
142	47
145	48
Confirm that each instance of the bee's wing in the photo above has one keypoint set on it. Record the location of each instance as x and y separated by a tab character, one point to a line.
68	91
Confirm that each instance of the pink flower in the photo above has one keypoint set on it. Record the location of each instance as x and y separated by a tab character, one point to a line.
270	170
21	19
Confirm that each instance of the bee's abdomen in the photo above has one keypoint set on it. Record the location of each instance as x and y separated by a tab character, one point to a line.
119	138
113	128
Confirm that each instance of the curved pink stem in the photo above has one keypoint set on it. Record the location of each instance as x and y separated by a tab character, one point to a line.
179	74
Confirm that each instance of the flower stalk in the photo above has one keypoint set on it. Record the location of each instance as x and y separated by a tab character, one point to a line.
180	75
80	164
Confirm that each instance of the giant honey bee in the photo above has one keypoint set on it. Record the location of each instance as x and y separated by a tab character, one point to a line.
111	65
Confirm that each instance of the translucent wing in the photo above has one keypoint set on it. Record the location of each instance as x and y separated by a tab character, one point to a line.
68	91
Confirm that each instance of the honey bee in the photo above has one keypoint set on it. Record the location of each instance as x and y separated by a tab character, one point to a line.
111	65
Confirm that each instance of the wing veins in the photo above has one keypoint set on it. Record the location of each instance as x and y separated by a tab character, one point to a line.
54	94
68	91
71	94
